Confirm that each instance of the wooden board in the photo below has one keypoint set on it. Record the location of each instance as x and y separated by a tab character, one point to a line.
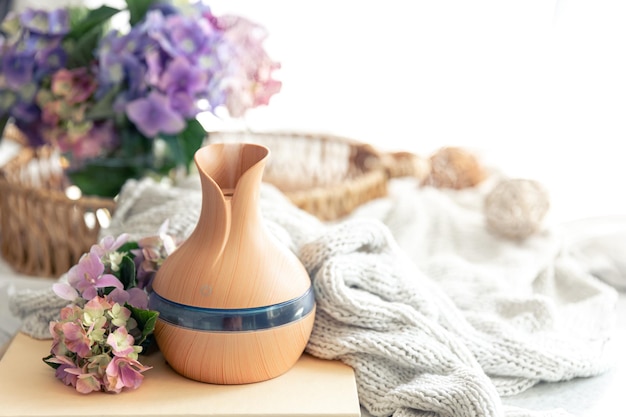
313	387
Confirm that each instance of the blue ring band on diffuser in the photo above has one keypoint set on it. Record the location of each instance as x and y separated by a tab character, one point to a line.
233	320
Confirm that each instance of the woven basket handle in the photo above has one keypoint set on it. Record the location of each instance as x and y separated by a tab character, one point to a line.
404	164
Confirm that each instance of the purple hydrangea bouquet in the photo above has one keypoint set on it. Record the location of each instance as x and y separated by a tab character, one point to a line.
123	104
107	325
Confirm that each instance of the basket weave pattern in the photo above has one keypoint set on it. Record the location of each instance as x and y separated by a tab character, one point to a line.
325	175
43	232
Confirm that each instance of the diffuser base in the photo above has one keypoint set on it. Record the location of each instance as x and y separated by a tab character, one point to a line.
234	357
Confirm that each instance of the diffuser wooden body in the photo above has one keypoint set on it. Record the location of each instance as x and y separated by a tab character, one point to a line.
235	305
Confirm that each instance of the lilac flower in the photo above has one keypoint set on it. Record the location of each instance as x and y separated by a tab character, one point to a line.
65	291
165	8
53	23
87	382
84	140
18	68
73	86
71	313
124	372
183	103
76	339
122	343
183	82
88	276
50	60
87	340
189	35
154	67
153	115
109	244
66	370
248	76
121	69
180	75
58	347
151	254
136	297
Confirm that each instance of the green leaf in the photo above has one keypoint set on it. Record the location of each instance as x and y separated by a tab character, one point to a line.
85	35
103	107
51	364
138	9
136	145
128	247
95	19
103	177
146	321
192	138
184	145
128	275
3	122
174	156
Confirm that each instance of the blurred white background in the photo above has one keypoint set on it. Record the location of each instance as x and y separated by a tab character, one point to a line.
537	88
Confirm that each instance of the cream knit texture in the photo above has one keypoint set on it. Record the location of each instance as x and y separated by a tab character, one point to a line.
437	316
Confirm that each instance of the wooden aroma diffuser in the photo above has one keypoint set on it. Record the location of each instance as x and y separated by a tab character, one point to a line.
235	306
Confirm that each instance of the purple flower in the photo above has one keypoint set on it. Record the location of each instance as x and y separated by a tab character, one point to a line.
154	67
123	372
109	244
49	60
153	115
136	297
152	252
65	291
67	371
189	36
183	103
76	339
121	69
53	23
180	75
18	68
27	113
248	74
88	276
183	82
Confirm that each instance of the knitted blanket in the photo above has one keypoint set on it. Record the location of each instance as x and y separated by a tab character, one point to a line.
437	316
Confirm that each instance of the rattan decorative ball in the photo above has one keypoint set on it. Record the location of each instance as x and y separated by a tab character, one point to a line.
453	167
516	208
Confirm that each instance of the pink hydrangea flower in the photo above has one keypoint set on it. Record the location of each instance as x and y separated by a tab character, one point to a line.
87	382
76	338
66	370
74	86
124	373
92	332
121	342
88	276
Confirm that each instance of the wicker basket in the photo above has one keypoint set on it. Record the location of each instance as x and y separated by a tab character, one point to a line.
44	232
325	175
